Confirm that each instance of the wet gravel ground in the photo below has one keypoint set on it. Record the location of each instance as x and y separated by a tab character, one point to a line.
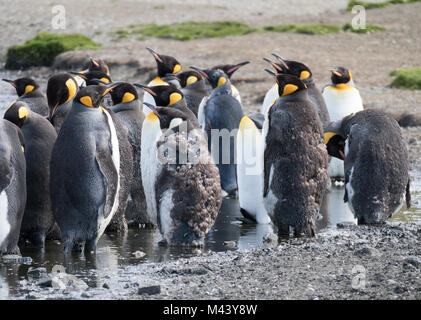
351	262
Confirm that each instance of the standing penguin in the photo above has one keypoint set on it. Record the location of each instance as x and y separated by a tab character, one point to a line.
86	170
29	91
12	186
295	159
229	69
39	137
303	72
249	170
183	182
95	64
376	164
61	89
165	65
221	111
342	99
127	108
193	87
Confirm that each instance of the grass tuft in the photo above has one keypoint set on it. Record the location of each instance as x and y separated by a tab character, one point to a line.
376	5
408	78
304	28
369	28
41	50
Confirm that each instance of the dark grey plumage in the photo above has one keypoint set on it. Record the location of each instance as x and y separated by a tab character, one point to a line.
295	162
258	119
40	136
376	165
316	97
194	95
12	186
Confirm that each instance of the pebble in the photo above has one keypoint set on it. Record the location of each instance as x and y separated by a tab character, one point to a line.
139	254
37	272
150	290
413	261
368	251
230	244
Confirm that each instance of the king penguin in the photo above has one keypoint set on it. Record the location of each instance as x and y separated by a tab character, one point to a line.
342	99
39	136
61	89
184	187
127	108
29	91
375	156
250	171
86	163
12	186
229	69
219	116
193	87
295	160
166	65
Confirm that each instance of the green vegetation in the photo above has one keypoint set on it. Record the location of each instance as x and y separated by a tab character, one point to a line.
304	28
41	50
375	5
369	28
408	78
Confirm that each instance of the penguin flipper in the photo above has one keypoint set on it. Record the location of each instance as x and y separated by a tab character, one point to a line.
110	174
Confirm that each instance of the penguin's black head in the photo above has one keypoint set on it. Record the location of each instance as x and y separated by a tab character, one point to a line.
216	78
93	75
165	64
92	96
97	65
124	93
164	96
287	83
17	113
61	88
340	75
229	69
189	77
23	85
295	68
335	140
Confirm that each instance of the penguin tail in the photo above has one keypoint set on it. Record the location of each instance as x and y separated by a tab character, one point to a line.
408	195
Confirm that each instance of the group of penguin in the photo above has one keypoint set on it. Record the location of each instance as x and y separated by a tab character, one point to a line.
74	165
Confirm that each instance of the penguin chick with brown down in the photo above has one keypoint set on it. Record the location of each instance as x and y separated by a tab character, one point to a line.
376	164
90	171
40	136
184	184
295	159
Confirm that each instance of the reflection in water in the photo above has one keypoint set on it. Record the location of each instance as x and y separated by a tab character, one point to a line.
4	288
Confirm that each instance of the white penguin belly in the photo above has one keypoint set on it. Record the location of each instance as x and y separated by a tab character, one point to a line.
165	207
250	171
147	97
336	168
151	131
270	97
4	223
201	113
341	103
104	221
235	93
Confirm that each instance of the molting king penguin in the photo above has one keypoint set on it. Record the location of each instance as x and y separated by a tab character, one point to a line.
342	99
61	89
166	65
229	69
12	186
193	87
89	184
127	108
376	163
219	116
295	159
183	185
39	135
29	91
250	169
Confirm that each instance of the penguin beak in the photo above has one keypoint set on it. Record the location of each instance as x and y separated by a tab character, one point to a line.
272	74
281	60
10	81
146	88
52	112
155	54
170	77
236	67
201	71
111	86
273	64
336	73
94	62
152	107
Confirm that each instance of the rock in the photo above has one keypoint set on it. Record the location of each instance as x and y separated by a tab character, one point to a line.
150	290
412	261
14	258
106	286
270	238
345	225
230	244
185	271
139	254
69	282
37	272
368	252
45	283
